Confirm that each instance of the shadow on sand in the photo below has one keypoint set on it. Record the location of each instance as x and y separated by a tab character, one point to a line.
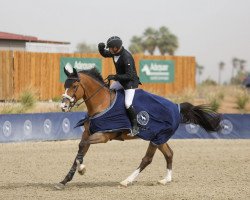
74	185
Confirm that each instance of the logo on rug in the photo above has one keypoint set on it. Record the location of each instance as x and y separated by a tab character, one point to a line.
142	118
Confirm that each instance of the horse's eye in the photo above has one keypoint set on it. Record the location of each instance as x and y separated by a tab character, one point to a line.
75	87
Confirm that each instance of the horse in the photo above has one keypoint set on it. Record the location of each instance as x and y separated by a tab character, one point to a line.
92	88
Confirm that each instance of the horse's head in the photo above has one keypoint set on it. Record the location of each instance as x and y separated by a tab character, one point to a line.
73	89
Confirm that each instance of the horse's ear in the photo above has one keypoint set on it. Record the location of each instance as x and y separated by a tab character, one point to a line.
75	73
70	71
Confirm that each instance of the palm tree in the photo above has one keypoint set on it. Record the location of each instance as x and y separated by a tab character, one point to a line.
150	40
242	65
136	45
167	42
199	71
235	63
163	39
221	67
173	44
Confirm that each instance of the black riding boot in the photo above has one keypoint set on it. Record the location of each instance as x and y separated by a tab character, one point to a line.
132	117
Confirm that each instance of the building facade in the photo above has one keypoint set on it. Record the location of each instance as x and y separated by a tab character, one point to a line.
16	42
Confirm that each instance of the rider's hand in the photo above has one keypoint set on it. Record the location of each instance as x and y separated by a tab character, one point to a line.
112	77
101	46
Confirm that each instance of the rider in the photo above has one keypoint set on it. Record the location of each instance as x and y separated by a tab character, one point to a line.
126	77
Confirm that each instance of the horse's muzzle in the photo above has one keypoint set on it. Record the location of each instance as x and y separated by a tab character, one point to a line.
65	105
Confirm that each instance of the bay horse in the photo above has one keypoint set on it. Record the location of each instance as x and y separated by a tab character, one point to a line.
90	86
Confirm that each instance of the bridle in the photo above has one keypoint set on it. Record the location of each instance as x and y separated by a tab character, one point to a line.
72	98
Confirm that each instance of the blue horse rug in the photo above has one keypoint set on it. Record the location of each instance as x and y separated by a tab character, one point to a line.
157	117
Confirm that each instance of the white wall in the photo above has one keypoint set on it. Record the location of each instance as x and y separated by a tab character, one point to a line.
47	47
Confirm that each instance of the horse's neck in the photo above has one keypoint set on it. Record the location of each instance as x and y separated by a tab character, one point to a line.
100	102
98	97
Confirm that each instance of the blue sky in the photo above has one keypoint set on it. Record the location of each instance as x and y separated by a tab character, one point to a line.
210	30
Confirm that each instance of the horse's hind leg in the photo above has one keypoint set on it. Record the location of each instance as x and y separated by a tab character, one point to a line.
168	154
147	159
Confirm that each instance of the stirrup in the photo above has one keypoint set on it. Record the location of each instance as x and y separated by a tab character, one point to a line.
135	131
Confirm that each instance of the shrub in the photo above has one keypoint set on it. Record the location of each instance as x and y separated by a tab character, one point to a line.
209	81
28	98
242	100
56	99
215	104
11	109
221	95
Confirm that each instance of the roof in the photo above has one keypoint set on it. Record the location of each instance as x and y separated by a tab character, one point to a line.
12	36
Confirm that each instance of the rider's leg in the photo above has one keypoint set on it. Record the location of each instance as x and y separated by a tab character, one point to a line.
129	96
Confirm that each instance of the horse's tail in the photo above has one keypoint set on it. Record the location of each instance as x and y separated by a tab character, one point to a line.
202	115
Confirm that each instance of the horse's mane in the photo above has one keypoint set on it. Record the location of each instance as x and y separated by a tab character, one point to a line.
94	74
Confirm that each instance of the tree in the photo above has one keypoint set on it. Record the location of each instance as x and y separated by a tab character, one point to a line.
136	45
235	63
199	70
241	73
152	38
242	65
221	67
167	42
83	47
149	42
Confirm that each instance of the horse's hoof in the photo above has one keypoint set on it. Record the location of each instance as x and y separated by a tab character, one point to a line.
164	181
125	183
82	170
59	186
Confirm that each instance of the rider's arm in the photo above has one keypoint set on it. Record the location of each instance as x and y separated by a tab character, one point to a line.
105	53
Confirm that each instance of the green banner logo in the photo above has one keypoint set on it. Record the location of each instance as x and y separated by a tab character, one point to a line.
157	71
79	64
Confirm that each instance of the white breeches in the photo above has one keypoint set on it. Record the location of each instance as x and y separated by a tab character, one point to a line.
129	93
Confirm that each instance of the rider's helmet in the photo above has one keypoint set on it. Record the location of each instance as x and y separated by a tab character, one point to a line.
114	41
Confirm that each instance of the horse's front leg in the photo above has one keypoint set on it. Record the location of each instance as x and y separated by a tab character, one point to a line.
83	148
78	162
147	159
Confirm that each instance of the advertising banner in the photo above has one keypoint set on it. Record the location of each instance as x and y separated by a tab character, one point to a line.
42	126
157	71
60	126
79	64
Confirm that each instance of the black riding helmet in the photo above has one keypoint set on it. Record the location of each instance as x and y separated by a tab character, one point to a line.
114	41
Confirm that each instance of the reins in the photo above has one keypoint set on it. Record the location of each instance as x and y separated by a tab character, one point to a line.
104	85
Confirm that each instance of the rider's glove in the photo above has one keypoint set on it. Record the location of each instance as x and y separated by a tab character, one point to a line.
101	46
112	77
